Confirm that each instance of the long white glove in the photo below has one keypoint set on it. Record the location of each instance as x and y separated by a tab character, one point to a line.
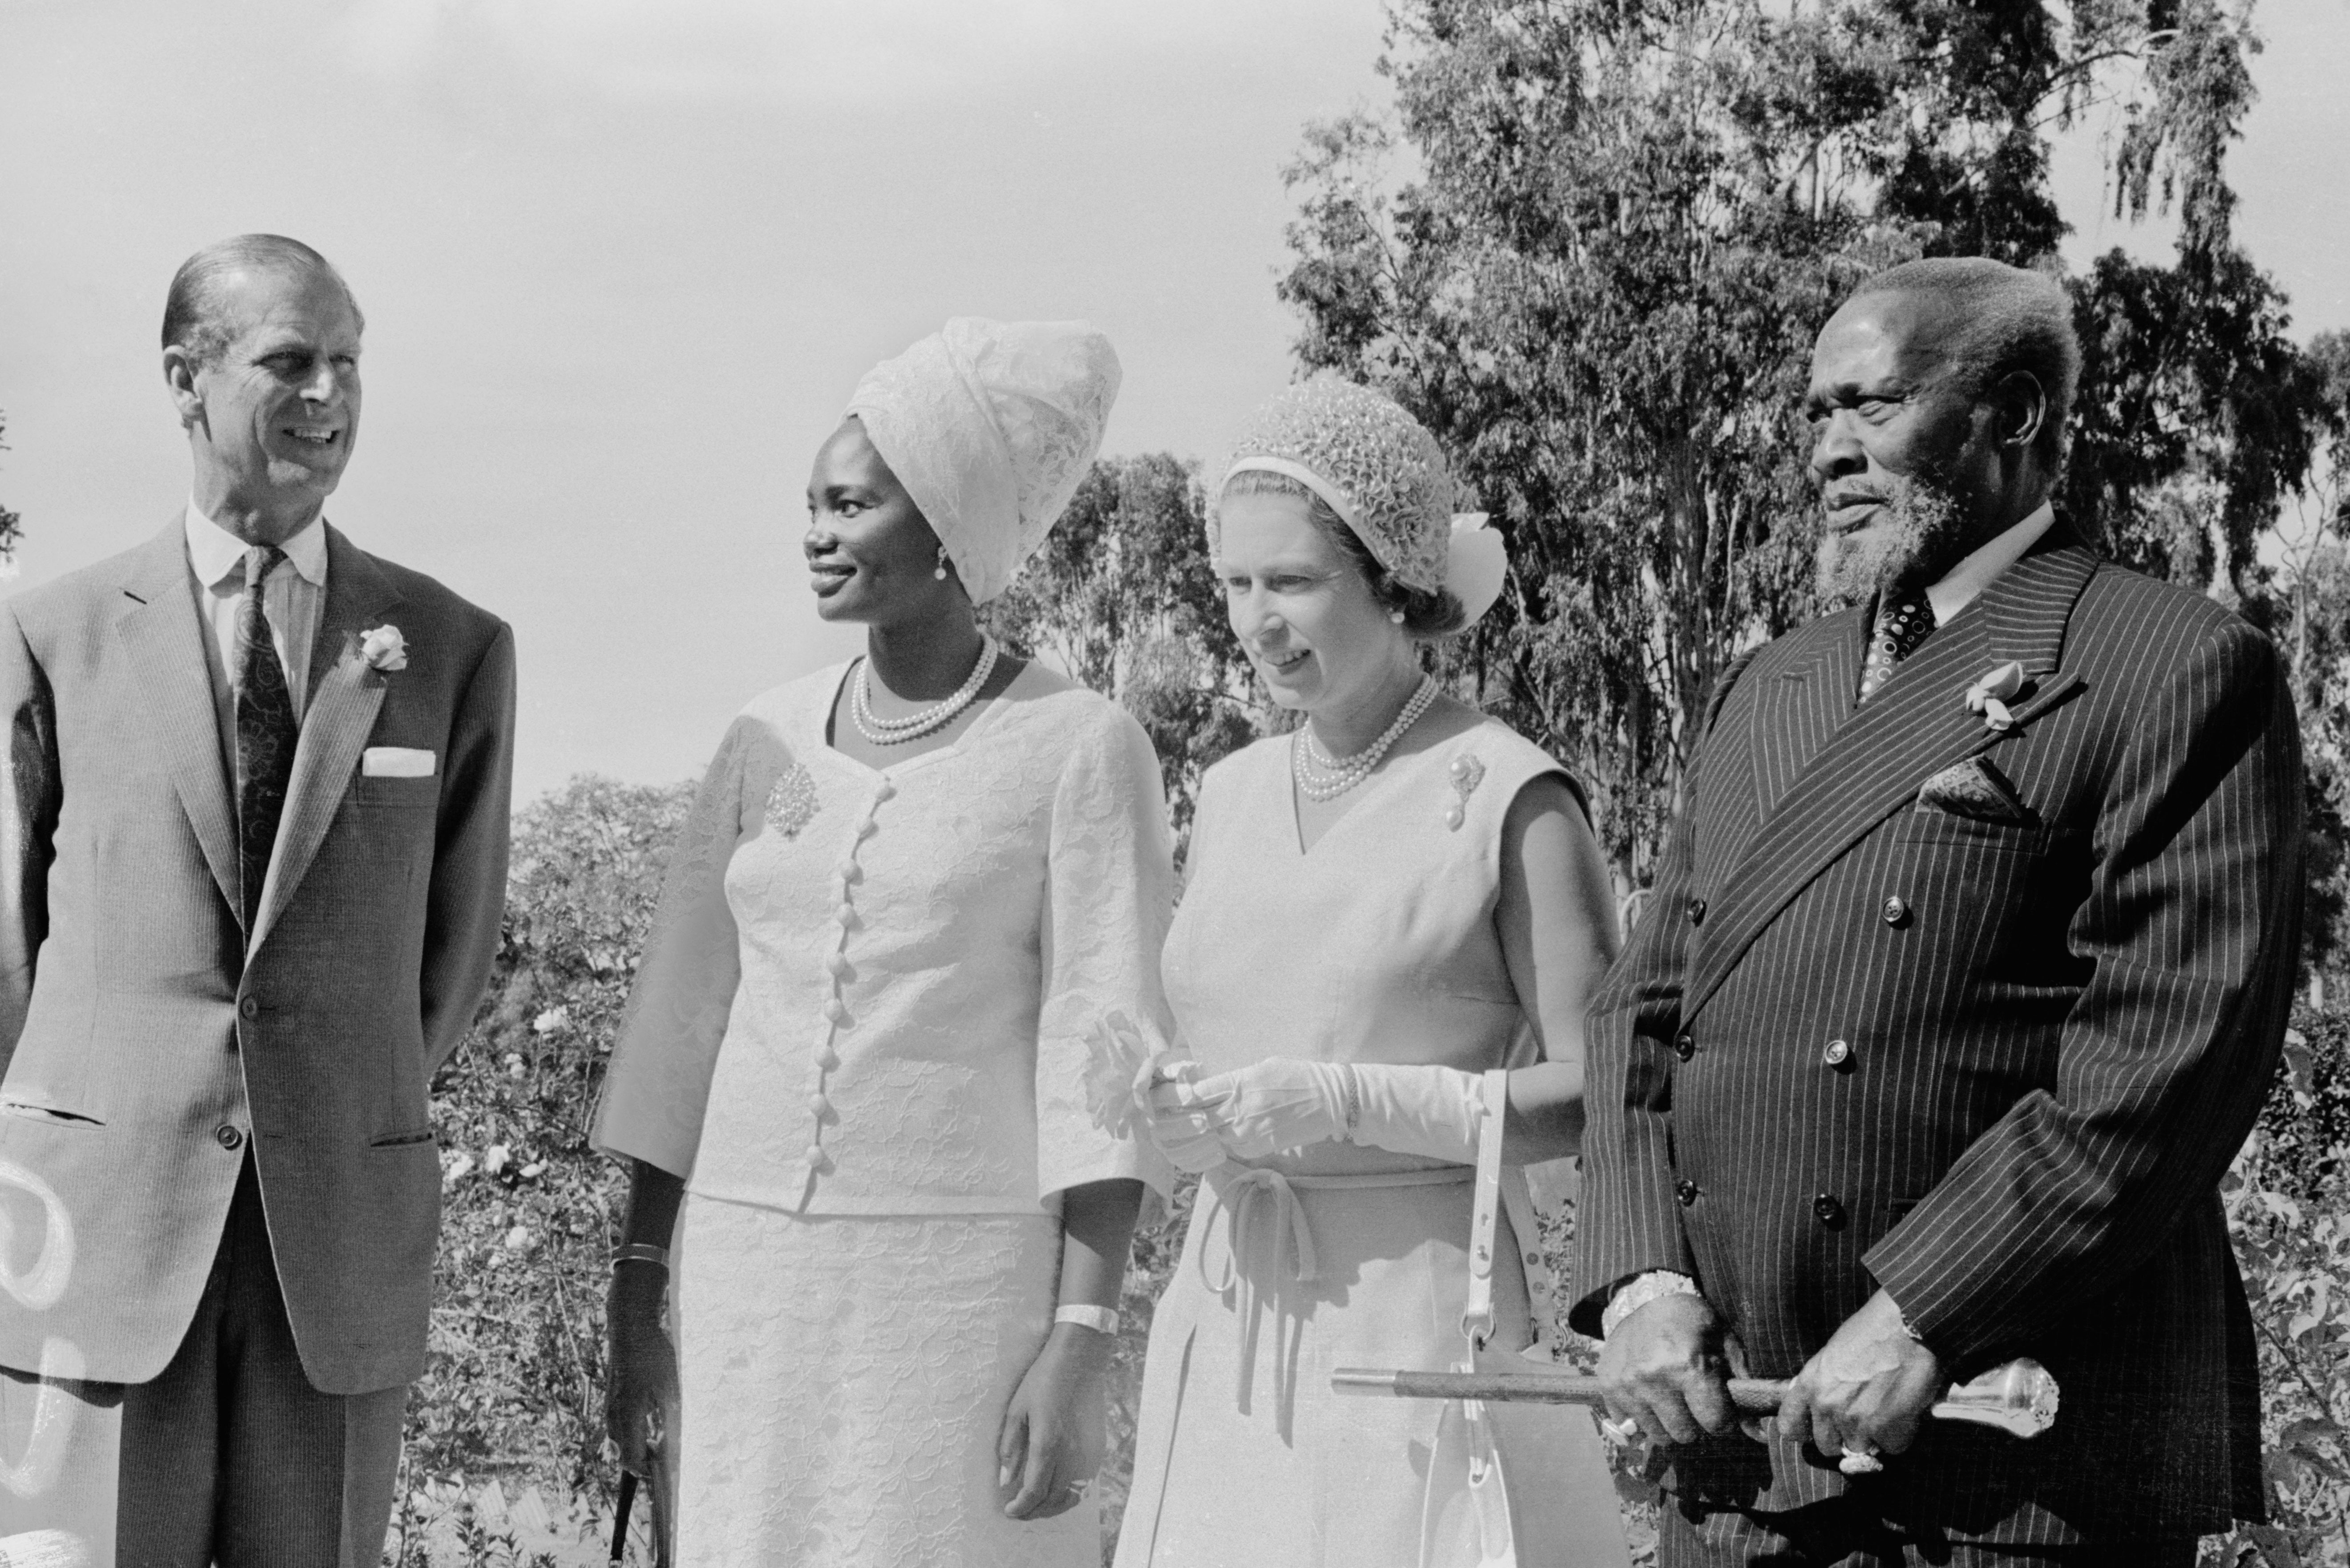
1431	1111
1279	1103
1284	1103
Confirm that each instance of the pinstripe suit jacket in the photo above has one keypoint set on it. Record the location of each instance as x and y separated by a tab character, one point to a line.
147	1041
2052	1044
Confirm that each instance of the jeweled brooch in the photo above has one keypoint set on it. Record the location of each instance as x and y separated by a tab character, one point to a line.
1468	772
791	805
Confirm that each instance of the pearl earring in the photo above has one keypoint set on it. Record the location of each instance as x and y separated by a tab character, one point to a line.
1396	616
939	571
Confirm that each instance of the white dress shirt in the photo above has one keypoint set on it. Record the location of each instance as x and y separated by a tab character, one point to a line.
293	596
1962	582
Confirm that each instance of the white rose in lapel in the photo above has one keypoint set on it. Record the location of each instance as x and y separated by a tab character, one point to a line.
384	648
1992	693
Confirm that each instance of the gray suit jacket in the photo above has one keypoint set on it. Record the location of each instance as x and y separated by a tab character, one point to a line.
146	1040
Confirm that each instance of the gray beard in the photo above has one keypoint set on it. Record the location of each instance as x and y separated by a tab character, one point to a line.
1929	534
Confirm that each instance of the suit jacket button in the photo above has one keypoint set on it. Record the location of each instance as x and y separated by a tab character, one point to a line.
229	1137
1897	909
1828	1210
1838	1054
1685	1045
1696	911
1687	1192
249	1008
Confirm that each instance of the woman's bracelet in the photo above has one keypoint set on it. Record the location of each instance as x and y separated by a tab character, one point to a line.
641	1252
1100	1319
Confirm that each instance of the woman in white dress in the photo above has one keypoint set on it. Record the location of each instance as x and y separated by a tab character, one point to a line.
908	889
1379	908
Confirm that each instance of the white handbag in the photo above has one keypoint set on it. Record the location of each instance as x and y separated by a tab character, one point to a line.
1560	1511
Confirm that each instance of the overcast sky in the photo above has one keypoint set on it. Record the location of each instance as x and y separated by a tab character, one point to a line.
623	259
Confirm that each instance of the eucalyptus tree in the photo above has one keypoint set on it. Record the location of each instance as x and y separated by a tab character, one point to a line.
1121	597
1591	240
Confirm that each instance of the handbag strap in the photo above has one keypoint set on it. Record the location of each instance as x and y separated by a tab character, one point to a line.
1477	1318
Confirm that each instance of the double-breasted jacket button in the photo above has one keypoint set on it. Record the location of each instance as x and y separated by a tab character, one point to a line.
1838	1054
1897	909
1685	1045
1828	1209
1686	1190
249	1007
1696	911
228	1136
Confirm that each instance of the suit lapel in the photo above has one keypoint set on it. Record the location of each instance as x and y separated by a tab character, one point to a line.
1800	712
1916	726
345	695
163	637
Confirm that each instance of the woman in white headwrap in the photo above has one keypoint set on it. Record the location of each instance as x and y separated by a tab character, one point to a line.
909	887
1381	908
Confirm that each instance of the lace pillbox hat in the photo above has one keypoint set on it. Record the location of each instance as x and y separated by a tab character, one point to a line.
1383	474
991	426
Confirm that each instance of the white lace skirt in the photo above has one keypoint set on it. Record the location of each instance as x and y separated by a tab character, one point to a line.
843	1381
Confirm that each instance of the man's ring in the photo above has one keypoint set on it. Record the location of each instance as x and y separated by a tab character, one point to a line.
1859	1461
1623	1433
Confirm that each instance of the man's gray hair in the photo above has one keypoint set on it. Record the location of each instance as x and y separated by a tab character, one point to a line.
2004	319
195	311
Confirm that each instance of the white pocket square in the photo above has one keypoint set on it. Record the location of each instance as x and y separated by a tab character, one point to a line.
395	762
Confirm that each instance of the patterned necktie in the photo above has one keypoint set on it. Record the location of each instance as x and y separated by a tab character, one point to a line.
266	731
1899	629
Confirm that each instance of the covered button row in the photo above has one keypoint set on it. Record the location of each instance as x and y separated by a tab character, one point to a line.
847	874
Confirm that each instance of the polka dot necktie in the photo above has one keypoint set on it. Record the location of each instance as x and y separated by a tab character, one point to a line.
1899	629
266	732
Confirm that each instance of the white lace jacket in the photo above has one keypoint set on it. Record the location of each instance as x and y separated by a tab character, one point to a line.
870	992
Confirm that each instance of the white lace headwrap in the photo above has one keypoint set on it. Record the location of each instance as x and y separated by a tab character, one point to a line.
989	426
1384	475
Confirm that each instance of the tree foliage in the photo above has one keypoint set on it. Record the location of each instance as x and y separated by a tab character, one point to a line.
12	528
1629	219
1122	596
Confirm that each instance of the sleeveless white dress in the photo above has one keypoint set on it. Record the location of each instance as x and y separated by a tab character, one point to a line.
859	1031
1378	945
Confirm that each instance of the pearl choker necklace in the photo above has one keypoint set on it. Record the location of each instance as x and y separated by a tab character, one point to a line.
915	726
1323	778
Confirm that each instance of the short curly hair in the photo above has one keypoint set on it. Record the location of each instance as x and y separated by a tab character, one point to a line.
2006	319
1428	613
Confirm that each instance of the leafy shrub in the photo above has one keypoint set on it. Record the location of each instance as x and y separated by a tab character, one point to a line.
2288	1202
511	1406
514	1390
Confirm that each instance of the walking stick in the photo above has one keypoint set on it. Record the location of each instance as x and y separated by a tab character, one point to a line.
2019	1398
621	1516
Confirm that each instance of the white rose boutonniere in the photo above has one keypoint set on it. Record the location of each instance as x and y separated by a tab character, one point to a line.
384	648
1992	691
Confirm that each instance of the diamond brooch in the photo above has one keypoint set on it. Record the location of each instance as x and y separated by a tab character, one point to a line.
791	805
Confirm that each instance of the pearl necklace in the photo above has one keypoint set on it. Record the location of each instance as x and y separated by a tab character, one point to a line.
1326	778
915	726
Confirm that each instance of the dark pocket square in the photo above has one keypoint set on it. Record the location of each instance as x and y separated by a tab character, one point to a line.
1974	789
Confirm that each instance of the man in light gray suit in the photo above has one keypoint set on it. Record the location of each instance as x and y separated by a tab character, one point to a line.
252	851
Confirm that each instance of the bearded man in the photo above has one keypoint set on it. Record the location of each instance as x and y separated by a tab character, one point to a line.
1966	971
255	809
